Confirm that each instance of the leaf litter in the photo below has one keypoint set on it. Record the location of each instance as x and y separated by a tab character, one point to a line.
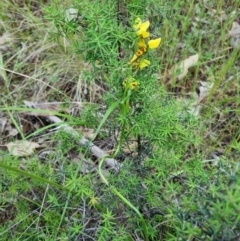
180	70
234	33
22	147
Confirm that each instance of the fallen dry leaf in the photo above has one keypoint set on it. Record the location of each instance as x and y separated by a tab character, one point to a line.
51	108
203	89
235	31
87	132
195	103
47	107
11	131
3	73
235	35
22	148
71	14
180	70
87	166
5	125
221	15
6	37
3	122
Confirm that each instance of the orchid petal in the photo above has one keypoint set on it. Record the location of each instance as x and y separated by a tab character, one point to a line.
154	43
133	58
144	63
143	29
141	44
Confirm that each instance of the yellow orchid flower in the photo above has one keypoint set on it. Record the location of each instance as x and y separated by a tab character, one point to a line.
134	58
141	28
142	48
133	85
142	31
140	63
130	83
144	63
154	43
142	45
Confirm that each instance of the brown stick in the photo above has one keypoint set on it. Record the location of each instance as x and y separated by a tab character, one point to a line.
95	150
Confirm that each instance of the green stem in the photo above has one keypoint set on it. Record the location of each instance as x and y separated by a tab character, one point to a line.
127	202
124	110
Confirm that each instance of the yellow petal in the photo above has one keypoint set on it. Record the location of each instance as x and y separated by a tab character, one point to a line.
130	83
144	63
144	26
141	43
140	52
145	34
143	29
154	43
133	85
133	58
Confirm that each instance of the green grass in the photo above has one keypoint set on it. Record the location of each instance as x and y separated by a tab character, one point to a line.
180	175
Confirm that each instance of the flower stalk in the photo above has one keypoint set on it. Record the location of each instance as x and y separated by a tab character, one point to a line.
143	44
130	84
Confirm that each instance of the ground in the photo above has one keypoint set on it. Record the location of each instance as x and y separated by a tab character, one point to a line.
179	156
